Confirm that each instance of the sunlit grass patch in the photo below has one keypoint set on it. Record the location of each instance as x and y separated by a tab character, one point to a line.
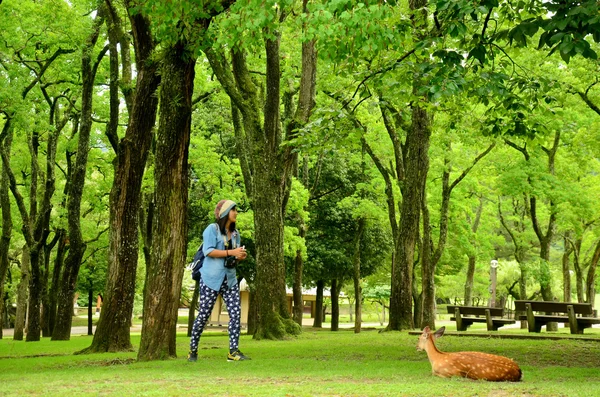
316	363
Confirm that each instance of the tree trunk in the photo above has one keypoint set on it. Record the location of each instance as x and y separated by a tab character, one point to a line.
56	271
252	312
165	271
429	257
22	296
335	305
416	165
90	311
34	304
298	307
418	303
469	281
45	270
566	270
522	289
546	278
192	308
113	329
5	146
427	270
77	247
267	168
318	321
417	161
270	270
591	278
47	309
34	225
578	271
356	276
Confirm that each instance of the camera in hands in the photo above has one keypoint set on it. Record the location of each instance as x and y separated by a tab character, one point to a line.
230	262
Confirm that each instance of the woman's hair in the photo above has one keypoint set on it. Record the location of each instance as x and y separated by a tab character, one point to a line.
223	222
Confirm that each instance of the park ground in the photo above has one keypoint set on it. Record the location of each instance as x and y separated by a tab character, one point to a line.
316	363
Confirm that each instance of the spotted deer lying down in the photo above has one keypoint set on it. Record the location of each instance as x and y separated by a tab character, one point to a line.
473	365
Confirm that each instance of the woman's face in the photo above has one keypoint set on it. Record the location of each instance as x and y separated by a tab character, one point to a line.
232	214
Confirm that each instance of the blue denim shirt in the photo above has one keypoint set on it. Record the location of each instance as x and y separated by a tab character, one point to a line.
213	270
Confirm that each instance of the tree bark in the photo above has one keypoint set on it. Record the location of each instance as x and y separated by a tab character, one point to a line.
335	305
192	308
318	321
267	169
298	306
356	276
417	164
428	269
5	146
56	272
579	281
90	313
22	290
164	272
77	247
112	332
566	269
591	277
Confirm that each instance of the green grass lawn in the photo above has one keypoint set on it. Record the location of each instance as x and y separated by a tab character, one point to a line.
317	363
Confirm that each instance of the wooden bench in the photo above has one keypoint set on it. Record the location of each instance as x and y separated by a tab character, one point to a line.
579	316
492	316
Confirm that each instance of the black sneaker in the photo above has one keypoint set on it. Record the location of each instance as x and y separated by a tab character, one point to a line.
193	357
237	356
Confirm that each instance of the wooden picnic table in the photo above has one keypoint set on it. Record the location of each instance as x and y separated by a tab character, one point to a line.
465	316
579	316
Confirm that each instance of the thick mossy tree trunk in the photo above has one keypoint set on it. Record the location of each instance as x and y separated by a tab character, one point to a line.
270	269
112	332
267	173
77	247
5	144
165	270
417	164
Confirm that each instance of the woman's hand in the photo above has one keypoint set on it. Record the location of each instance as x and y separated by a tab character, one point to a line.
239	253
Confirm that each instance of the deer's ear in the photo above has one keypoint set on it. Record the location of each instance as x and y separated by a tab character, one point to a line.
439	332
426	330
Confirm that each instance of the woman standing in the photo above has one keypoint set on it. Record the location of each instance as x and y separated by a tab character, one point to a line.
222	251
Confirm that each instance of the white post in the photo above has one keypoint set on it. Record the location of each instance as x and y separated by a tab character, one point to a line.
493	267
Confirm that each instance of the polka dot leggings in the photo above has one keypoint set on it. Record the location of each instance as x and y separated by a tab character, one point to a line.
208	297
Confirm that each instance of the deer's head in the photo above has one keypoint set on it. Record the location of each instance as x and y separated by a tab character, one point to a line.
424	338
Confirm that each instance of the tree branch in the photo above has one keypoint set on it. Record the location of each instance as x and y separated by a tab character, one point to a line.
466	171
